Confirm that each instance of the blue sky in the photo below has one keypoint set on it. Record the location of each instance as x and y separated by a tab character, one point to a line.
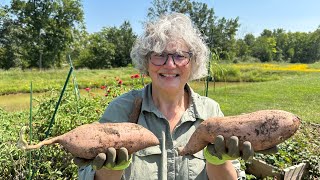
254	15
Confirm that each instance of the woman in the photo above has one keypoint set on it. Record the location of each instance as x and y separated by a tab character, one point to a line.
172	53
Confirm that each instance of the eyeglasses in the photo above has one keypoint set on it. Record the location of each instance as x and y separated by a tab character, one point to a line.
179	58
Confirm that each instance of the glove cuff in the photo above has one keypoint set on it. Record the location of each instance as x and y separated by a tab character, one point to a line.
214	159
121	166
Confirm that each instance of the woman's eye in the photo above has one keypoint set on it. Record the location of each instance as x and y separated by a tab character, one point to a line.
158	55
179	56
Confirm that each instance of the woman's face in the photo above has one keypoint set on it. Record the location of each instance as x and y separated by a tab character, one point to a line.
170	76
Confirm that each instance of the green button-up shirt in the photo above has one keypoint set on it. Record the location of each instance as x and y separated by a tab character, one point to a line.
162	162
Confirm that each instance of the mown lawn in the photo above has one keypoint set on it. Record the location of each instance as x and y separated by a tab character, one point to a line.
297	94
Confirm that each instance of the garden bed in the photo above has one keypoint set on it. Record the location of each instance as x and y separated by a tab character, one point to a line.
261	170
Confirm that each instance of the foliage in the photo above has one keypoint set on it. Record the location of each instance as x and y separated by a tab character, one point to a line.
296	150
52	79
41	33
289	94
106	49
52	162
37	33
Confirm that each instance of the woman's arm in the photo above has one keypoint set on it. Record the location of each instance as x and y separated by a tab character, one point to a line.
103	174
224	171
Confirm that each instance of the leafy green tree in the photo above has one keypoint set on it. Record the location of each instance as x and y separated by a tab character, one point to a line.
158	8
97	53
266	33
108	48
12	52
264	48
314	51
299	42
46	28
243	50
281	45
249	39
123	39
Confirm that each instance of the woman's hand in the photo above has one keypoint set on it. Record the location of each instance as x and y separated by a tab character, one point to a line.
112	160
222	150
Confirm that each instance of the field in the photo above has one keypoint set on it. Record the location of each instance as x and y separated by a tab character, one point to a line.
240	88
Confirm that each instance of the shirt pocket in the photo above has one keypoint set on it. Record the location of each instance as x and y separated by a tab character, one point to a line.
196	166
145	163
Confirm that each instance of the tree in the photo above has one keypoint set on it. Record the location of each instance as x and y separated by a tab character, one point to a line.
158	8
108	48
123	39
97	53
243	49
264	48
314	51
281	44
46	29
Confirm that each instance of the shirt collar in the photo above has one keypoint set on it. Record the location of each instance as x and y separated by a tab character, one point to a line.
195	104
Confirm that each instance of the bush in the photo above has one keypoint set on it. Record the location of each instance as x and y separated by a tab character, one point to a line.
51	162
296	150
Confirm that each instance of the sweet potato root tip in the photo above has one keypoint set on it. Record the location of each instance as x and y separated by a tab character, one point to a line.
88	140
264	129
23	144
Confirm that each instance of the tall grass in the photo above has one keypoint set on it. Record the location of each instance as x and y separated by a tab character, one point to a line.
259	72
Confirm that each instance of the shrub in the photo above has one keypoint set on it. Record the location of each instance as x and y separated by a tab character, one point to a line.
296	150
53	162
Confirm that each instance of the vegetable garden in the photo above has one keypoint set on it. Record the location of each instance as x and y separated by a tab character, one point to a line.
274	86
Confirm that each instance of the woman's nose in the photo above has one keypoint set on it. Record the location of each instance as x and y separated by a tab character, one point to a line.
170	61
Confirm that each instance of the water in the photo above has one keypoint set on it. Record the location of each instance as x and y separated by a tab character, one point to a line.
21	101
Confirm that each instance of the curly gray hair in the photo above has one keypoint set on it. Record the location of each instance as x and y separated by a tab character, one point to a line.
169	28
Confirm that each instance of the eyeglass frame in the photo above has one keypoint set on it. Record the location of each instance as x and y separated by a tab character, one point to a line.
172	56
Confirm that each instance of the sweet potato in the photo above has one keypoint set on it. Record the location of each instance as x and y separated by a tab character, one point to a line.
264	129
88	140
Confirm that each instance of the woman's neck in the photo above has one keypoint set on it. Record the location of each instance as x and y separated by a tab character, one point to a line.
171	104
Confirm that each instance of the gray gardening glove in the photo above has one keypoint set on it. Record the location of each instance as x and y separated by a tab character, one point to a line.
113	160
222	150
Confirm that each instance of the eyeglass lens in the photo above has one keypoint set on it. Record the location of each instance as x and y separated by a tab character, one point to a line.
179	59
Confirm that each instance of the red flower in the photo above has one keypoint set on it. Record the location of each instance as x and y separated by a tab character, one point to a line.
120	82
109	90
135	76
106	94
103	87
87	89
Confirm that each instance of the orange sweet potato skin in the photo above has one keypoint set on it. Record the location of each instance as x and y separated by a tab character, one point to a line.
88	140
264	129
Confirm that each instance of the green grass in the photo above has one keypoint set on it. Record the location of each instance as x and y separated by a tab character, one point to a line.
297	94
18	81
294	92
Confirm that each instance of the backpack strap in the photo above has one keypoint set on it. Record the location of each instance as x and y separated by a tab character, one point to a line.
136	108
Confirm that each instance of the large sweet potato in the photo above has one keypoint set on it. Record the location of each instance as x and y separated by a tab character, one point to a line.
88	140
264	129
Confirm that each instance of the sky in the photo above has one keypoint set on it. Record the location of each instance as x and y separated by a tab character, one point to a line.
254	15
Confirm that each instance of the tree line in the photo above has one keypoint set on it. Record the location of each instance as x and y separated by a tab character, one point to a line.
42	33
